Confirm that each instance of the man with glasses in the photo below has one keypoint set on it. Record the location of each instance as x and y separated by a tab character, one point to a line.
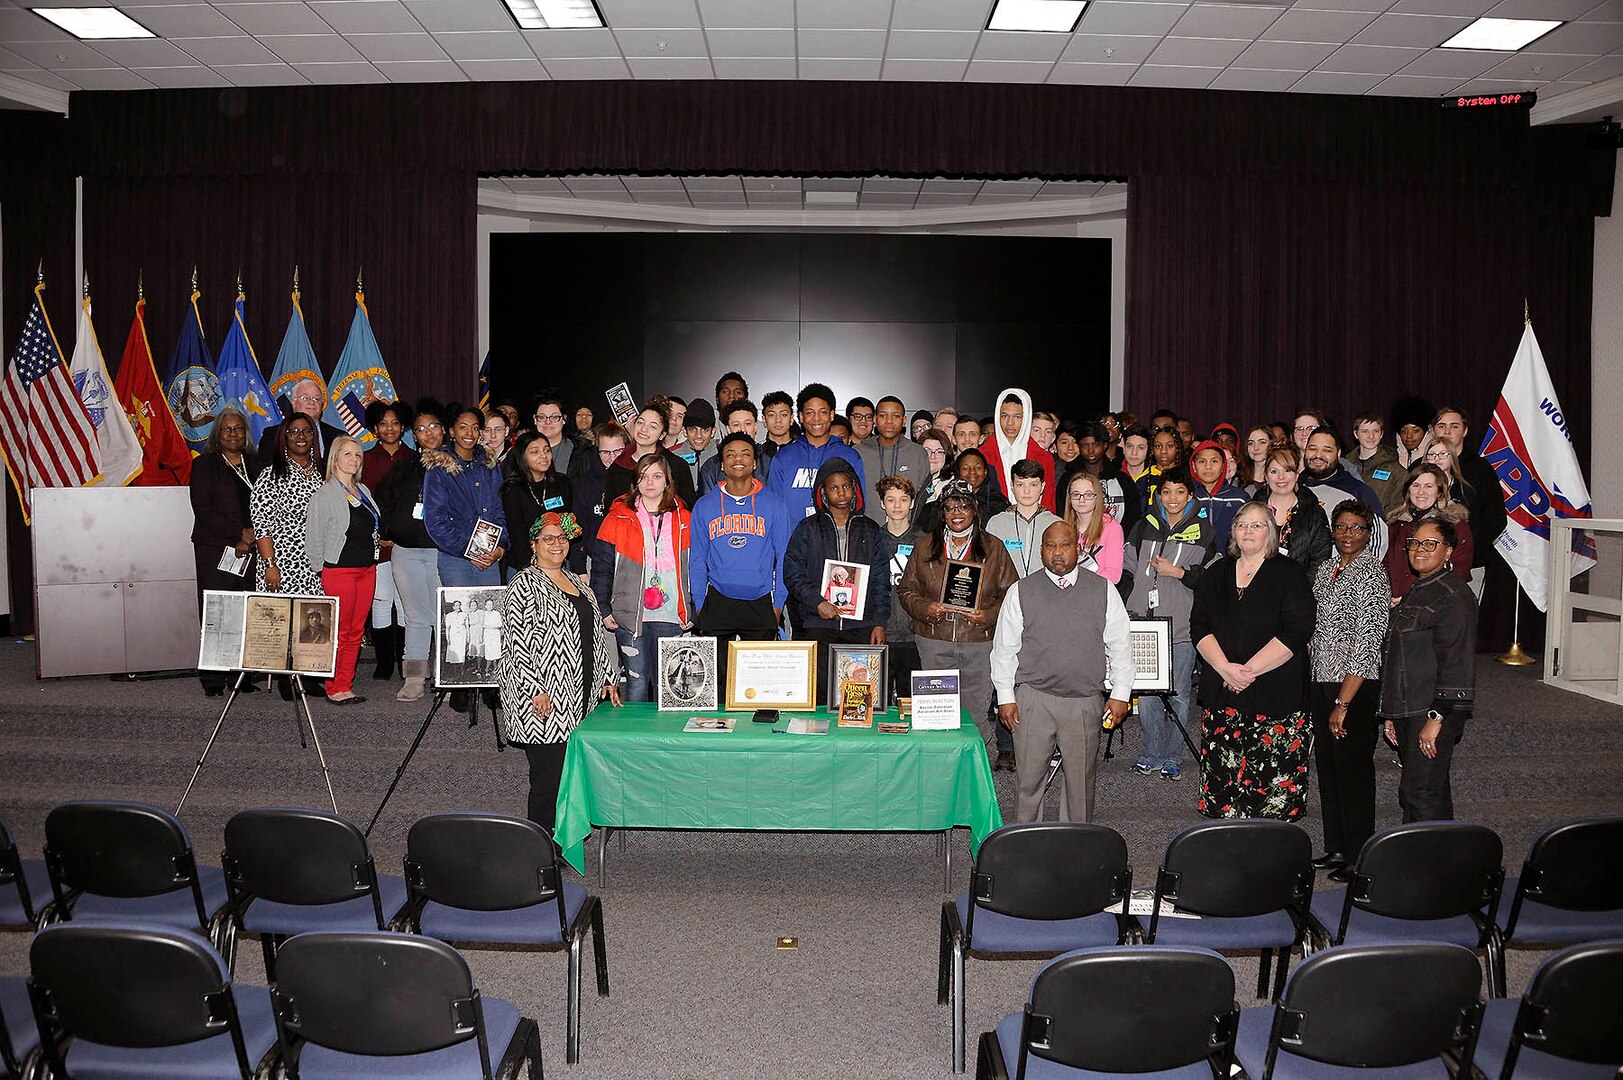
548	414
308	399
859	413
890	453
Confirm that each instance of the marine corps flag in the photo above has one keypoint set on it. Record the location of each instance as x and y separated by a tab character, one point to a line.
241	383
360	378
165	457
119	452
295	360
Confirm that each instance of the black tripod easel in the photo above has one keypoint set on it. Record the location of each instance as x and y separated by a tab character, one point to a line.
440	697
300	701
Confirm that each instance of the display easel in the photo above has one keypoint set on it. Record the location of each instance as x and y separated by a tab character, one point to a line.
440	696
300	701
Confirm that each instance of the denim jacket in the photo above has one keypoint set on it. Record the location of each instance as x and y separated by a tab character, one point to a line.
1430	652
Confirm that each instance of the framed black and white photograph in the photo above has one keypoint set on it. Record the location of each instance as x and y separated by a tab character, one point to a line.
468	636
1152	655
859	663
269	633
687	673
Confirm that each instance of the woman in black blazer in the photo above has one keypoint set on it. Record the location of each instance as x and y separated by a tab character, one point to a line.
220	487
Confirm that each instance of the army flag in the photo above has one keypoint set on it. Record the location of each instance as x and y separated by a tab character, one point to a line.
295	360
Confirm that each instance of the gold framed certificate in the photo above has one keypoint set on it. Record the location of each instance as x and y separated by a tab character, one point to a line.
778	675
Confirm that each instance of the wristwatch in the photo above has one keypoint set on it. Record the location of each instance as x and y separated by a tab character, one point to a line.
1343	704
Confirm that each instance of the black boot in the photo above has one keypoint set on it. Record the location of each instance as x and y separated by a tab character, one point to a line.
386	644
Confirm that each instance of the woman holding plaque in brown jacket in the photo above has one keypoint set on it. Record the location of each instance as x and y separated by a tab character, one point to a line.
953	588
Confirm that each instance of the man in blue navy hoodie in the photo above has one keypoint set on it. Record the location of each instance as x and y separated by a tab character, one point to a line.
793	477
838	531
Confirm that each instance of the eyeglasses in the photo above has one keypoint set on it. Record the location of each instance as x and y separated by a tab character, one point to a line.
1249	526
1428	544
1306	427
554	541
429	427
307	397
1355	527
548	418
1084	496
936	453
609	452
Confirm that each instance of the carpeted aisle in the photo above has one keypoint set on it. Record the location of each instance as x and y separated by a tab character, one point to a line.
692	918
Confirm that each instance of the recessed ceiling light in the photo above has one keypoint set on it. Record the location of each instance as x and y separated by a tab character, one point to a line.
1050	16
1501	35
555	14
94	23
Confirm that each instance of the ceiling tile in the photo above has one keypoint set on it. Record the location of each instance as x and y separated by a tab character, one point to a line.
1069	189
1109	49
105	79
931	199
526	70
903	70
1237	78
182	78
1101	17
232	51
367	16
188	20
712	183
593	184
260	19
145	52
752	42
311	48
747	14
580	67
536	185
1092	74
437	15
1468	8
10	61
420	71
670	67
655	183
887	199
1544	9
1323	82
1610	11
261	75
938	185
1198	52
1556	89
1008	71
1013	187
1285	55
930	44
1226	21
779	198
941	14
1369	59
1417	31
1331	26
832	183
662	44
18	25
1607	67
396	47
550	43
484	45
1166	75
1003	45
1415	86
841	44
852	70
764	183
994	199
55	54
754	67
629	14
1491	86
1542	67
1592	39
841	14
891	185
341	73
1454	63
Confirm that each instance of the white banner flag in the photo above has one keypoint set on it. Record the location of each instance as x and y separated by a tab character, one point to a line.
120	450
1531	452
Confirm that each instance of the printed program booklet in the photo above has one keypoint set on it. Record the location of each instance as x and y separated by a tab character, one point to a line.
710	723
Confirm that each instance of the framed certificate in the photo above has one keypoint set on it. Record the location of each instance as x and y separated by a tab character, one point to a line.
961	586
859	663
1152	656
778	675
687	673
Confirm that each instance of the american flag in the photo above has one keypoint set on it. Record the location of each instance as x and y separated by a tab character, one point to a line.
353	414
47	435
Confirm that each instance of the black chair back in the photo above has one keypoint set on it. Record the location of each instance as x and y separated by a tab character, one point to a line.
297	856
1572	1006
1131	1010
11	872
482	862
377	994
1238	868
1576	865
120	849
1050	870
129	987
1429	870
1380	1006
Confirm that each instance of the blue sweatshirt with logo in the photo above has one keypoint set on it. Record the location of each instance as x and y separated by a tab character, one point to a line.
738	545
793	477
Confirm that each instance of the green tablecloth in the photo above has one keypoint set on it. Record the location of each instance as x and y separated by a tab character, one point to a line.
634	767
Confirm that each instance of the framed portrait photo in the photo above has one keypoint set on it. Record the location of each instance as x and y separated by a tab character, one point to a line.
778	675
468	636
687	673
845	585
1152	655
859	663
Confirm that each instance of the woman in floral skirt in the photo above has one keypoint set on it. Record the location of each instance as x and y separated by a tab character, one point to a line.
1252	621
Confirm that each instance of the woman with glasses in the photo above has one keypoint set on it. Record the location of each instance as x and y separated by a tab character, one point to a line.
413	559
1297	514
1098	535
1353	599
1428	671
1426	496
557	660
1251	623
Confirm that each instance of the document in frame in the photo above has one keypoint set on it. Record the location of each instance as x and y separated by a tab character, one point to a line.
221	646
267	633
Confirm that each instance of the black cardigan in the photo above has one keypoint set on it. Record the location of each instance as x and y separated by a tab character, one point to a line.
219	503
1277	604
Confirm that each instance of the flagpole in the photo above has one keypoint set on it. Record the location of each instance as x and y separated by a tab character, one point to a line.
1515	656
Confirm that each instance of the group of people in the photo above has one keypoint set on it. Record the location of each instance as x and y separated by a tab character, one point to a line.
1317	590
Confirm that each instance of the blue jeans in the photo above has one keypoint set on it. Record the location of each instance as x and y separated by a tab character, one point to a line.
1163	741
639	656
457	573
417	581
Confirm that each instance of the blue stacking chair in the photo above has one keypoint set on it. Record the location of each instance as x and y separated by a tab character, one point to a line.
291	871
24	885
1570	888
144	1003
1386	1011
1147	1011
492	880
1427	881
1037	889
19	1035
1249	880
117	862
1567	1026
396	1006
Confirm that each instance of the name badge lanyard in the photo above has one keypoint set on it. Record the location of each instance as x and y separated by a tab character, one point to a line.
357	499
1025	547
654	596
1155	576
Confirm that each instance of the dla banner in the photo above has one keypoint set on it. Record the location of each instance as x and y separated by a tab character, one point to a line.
295	360
359	379
1531	452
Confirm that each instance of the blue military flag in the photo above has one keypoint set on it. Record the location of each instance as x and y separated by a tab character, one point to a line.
241	382
295	360
360	378
191	387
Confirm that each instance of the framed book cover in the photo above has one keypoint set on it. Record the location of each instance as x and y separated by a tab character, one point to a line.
859	663
772	675
687	673
486	538
845	585
856	703
468	636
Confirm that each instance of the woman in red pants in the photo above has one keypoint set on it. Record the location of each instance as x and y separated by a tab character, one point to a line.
341	540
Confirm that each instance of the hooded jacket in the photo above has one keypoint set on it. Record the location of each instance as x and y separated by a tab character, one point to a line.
1001	453
793	474
815	540
1385	477
1218	507
1336	487
617	574
1189	543
1402	527
457	493
925	576
738	545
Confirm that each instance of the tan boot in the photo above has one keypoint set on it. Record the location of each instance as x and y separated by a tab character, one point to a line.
416	673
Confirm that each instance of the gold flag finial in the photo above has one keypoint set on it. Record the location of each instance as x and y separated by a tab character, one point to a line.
295	277
140	287
240	295
87	285
40	273
194	277
359	287
1527	316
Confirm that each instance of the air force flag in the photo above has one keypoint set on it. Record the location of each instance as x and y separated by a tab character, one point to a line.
241	382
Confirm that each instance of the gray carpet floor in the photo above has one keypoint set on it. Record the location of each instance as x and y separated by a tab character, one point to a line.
692	918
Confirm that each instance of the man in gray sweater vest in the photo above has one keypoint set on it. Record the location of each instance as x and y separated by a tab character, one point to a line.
1062	629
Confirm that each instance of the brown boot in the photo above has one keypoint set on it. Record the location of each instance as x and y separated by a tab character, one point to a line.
416	673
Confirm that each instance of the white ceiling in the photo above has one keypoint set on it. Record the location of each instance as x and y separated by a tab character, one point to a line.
793	193
1386	47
